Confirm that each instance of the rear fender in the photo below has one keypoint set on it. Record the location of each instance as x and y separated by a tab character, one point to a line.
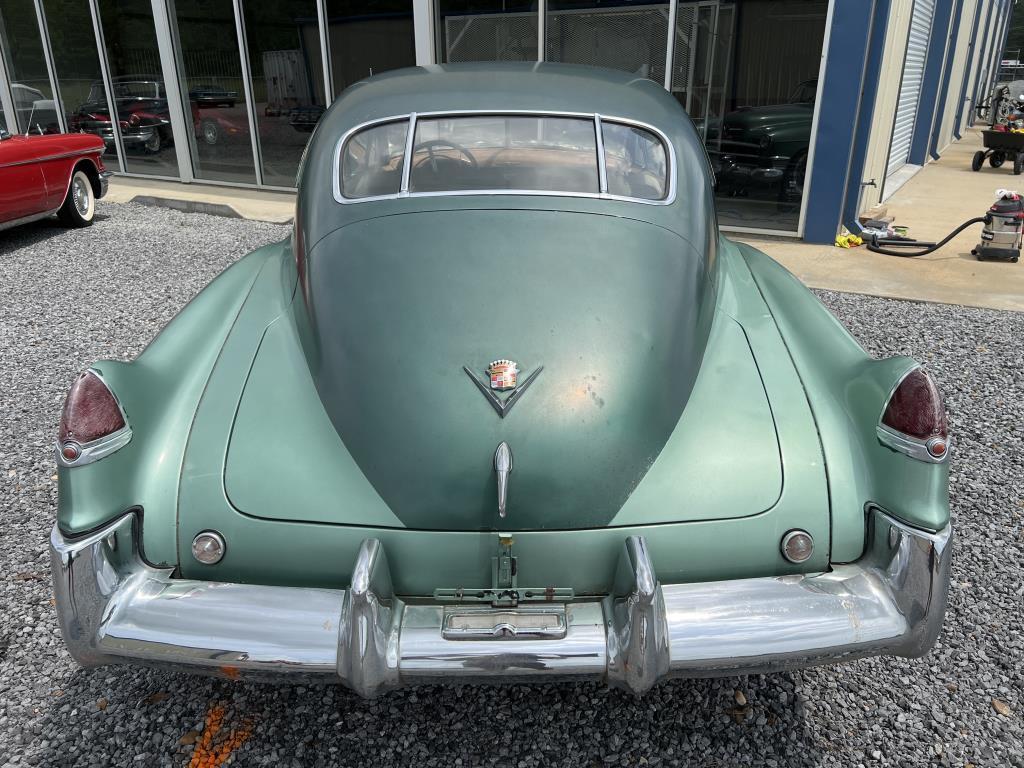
159	393
847	391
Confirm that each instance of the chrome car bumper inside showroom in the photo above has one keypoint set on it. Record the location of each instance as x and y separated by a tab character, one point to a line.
114	607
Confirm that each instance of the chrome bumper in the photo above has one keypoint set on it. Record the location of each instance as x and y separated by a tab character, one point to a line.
114	608
104	183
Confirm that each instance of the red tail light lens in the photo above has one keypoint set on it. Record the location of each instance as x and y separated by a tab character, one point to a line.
90	412
915	408
915	411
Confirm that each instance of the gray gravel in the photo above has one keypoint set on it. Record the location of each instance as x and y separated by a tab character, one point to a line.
67	298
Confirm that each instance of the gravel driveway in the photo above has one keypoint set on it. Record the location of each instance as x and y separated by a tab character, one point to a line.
67	298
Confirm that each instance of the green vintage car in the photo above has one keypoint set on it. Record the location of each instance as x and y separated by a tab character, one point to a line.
505	406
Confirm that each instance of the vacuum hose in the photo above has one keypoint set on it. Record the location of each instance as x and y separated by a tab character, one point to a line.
876	245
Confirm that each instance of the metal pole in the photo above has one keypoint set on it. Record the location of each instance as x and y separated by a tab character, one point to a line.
542	12
108	85
325	52
423	31
167	41
6	95
243	50
51	70
670	48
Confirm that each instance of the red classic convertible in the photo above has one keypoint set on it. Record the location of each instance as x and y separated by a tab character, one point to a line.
59	173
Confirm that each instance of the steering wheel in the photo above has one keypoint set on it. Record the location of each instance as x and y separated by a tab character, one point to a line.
432	158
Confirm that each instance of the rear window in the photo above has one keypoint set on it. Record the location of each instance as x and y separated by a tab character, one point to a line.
371	163
505	154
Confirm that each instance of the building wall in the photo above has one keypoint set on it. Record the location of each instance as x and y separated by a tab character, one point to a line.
890	77
960	62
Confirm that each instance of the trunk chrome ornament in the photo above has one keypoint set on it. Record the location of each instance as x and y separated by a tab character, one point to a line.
503	468
502	407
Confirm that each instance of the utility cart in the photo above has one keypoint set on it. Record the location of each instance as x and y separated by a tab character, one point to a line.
1000	146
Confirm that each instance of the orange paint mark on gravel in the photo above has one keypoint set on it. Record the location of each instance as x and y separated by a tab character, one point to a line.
214	746
232	673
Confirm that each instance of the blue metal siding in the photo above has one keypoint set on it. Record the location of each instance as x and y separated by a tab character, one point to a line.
841	97
940	110
926	112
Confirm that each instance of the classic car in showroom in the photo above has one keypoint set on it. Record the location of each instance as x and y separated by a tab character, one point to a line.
57	173
765	148
144	117
505	406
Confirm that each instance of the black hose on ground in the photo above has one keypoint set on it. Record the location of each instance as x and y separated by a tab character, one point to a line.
876	248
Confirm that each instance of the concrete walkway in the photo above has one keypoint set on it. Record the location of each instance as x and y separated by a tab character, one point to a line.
258	204
940	197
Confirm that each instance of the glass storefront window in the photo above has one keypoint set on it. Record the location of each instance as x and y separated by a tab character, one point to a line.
211	84
368	37
623	34
77	70
746	72
22	49
486	30
139	96
287	82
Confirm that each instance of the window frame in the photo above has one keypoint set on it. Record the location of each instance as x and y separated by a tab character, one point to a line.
595	117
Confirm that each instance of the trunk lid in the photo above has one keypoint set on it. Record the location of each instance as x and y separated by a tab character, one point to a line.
380	413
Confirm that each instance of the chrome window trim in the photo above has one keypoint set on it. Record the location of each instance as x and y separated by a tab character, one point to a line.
597	118
101	446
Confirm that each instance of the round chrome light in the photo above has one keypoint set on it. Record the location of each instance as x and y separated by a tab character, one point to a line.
208	547
70	451
937	447
797	546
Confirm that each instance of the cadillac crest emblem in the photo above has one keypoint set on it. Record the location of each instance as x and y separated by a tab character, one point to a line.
503	374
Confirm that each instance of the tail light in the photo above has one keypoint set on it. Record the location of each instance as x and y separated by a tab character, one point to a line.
914	420
92	424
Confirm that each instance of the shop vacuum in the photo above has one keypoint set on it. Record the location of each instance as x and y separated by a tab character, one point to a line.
1000	235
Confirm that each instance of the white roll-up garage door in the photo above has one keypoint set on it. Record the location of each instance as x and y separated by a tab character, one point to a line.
910	86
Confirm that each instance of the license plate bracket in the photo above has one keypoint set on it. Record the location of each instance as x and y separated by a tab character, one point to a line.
542	622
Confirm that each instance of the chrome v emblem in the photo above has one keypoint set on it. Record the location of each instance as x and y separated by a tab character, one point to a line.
502	406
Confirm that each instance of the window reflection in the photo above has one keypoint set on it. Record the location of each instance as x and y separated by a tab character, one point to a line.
368	37
623	34
22	49
287	82
77	69
746	72
486	30
139	95
211	77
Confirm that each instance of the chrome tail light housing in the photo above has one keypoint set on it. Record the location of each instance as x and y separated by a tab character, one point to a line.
914	421
93	424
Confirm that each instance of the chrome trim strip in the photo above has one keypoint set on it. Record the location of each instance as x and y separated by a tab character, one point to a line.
28	219
48	158
114	608
597	118
911	446
95	450
602	159
410	139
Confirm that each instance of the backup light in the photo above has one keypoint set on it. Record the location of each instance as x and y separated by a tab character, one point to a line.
208	547
797	546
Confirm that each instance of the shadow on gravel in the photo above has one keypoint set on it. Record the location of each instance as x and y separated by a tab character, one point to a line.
28	235
138	716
